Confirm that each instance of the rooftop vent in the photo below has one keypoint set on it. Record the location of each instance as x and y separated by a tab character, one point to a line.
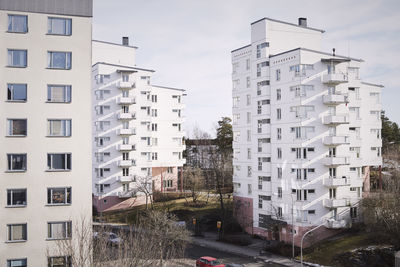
125	41
333	51
303	22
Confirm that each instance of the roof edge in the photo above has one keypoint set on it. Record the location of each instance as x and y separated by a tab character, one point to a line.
373	84
316	51
122	66
288	23
237	49
170	88
111	43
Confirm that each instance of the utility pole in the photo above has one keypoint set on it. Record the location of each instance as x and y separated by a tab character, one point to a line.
302	239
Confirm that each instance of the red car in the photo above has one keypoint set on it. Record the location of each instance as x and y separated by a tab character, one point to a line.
208	262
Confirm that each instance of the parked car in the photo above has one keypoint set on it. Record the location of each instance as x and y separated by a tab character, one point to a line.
206	261
112	239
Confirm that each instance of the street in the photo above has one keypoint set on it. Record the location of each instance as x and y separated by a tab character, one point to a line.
194	252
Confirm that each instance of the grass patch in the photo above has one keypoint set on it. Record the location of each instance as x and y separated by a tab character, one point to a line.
324	252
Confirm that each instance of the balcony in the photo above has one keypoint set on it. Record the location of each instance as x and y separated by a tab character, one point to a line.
334	99
336	119
126	163
336	224
335	161
336	181
126	194
336	203
126	179
126	131
335	78
125	85
125	147
126	116
125	100
336	140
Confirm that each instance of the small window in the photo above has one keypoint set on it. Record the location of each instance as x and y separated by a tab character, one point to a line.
59	230
311	191
311	212
59	162
16	197
59	26
17	263
16	232
59	93
16	162
17	23
16	127
59	60
17	58
16	92
63	261
59	196
59	127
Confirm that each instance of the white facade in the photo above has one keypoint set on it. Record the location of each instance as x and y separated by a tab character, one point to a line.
45	168
299	119
138	127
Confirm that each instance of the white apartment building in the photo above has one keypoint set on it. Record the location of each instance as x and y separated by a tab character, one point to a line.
306	131
137	129
45	49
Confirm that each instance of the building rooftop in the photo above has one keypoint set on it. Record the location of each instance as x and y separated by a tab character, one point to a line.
170	88
288	23
121	66
111	43
319	52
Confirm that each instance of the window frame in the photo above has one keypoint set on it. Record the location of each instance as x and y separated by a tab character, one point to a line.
67	261
17	170
16	205
49	20
9	261
14	50
67	129
9	232
14	31
10	87
67	230
67	93
67	60
67	196
9	127
68	155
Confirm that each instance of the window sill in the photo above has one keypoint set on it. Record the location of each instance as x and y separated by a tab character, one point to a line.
17	32
56	239
57	102
58	136
16	206
57	205
58	34
58	170
18	67
15	171
16	241
17	136
57	68
16	101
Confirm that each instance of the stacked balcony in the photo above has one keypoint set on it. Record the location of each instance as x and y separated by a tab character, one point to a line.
126	132
125	100
126	163
125	85
336	224
336	140
334	99
126	194
332	203
336	181
125	147
335	161
336	119
335	78
126	116
126	179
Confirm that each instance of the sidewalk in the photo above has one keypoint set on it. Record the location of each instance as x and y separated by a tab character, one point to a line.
252	250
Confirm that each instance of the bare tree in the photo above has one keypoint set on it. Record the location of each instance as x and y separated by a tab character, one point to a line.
193	182
143	184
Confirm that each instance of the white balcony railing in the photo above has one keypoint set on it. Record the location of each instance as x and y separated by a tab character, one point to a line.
336	203
130	131
336	181
336	119
126	179
125	85
125	147
125	100
336	140
334	99
126	194
336	224
126	163
126	116
334	161
335	78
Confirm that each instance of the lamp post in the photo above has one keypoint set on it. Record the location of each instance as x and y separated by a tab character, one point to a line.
291	195
302	238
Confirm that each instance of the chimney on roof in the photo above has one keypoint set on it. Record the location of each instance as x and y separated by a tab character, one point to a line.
125	41
303	22
333	51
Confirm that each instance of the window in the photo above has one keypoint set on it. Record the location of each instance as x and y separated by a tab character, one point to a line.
154	98
154	156
279	192
59	230
278	74
16	232
59	60
259	47
16	127
17	58
154	127
60	162
248	99
248	171
16	162
249	153
353	212
236	100
59	196
59	127
17	263
279	133
59	26
279	152
248	135
16	92
247	64
59	93
62	261
312	212
249	190
278	94
16	197
247	82
101	172
279	172
278	113
248	117
17	23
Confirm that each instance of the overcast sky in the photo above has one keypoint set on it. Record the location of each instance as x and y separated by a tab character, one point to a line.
188	42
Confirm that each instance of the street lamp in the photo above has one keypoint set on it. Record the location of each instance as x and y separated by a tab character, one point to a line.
302	238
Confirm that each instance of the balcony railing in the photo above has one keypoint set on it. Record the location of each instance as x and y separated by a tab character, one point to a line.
125	85
126	116
336	119
336	224
334	99
125	100
126	194
126	131
126	179
334	161
335	78
336	181
336	203
126	163
336	140
125	147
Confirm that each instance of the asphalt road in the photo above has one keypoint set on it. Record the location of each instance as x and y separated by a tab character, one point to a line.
194	252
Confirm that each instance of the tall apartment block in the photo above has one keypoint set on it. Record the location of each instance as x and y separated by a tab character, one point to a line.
307	131
137	129
45	120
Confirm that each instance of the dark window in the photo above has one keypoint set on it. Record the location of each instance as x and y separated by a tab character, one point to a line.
16	162
16	92
16	197
59	196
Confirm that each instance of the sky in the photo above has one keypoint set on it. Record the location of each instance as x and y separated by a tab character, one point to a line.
188	43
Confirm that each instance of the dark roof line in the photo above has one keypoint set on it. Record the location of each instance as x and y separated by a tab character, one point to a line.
288	23
105	42
315	51
373	84
121	66
240	48
171	88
